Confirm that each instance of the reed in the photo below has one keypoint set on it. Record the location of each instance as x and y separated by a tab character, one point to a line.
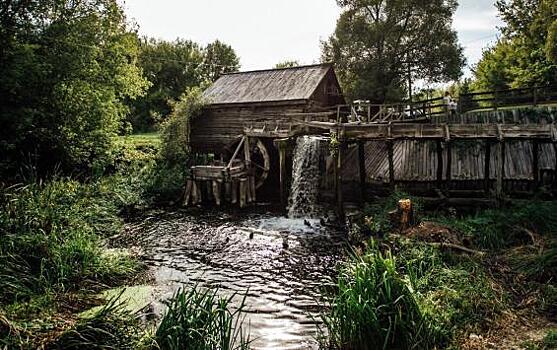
200	319
375	308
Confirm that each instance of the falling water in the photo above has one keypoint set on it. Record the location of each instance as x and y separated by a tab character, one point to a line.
305	179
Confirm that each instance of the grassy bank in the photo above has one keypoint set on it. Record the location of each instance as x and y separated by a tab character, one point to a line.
52	255
415	290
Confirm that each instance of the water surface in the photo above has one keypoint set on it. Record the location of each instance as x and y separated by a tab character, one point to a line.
286	264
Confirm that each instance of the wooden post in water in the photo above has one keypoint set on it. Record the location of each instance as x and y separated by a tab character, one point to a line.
338	178
282	174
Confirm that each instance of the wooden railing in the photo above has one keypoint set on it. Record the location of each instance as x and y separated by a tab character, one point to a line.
507	98
422	110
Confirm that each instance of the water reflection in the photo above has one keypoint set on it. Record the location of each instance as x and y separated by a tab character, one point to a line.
286	264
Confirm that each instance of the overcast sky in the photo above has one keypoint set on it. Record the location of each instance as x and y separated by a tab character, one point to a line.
265	32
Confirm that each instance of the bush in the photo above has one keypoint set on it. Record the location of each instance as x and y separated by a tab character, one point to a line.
197	319
168	177
375	308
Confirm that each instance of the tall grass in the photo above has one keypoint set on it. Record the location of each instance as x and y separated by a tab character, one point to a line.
50	238
375	308
200	319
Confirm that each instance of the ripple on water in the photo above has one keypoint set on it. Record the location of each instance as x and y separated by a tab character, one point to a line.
284	263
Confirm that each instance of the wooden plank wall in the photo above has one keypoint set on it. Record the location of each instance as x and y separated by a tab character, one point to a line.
417	161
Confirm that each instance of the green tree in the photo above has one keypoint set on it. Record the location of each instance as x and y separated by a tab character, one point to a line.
287	64
67	69
377	44
220	59
525	56
171	67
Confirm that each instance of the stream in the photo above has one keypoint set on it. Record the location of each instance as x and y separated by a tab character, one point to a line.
286	264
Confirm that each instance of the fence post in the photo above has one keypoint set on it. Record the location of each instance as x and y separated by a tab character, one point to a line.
535	97
495	100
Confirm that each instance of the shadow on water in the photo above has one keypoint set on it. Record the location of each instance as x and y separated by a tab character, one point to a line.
286	264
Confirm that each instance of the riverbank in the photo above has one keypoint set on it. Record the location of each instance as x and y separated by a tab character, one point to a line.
476	280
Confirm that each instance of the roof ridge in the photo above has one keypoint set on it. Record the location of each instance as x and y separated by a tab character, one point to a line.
279	69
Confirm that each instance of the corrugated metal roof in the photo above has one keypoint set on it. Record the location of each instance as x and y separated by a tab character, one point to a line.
286	84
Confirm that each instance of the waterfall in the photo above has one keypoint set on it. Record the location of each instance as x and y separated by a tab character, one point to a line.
302	202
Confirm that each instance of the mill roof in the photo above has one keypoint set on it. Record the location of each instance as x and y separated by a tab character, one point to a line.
272	85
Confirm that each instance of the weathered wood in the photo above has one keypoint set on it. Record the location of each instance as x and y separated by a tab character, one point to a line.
282	173
234	191
338	179
362	168
449	171
500	170
217	192
390	154
487	167
243	192
188	192
252	188
433	131
535	163
439	145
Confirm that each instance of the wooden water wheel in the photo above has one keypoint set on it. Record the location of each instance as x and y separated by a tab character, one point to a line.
255	155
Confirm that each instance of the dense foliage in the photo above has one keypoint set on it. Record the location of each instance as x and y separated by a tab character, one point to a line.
173	67
67	70
525	55
378	44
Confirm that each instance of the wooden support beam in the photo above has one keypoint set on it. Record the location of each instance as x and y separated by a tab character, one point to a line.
338	179
217	193
487	167
243	192
449	170
362	165
282	174
390	152
439	164
535	163
500	171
